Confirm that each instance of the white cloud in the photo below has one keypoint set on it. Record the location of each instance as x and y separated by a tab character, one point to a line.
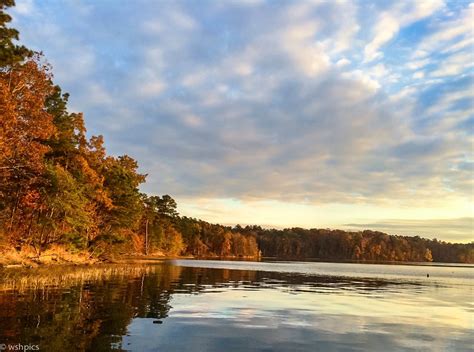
449	30
98	95
448	99
344	35
386	27
192	120
455	230
244	69
343	62
379	71
419	75
389	23
412	11
419	54
151	88
460	45
300	44
25	7
417	64
454	65
371	84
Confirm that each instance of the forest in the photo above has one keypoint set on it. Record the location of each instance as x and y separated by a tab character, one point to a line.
60	188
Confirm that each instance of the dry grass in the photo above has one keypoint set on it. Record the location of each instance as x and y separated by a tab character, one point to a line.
27	257
44	277
56	267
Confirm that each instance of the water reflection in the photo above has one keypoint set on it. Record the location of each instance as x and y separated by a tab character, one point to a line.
174	307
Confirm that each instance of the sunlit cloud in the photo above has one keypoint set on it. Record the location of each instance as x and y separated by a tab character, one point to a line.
309	103
453	230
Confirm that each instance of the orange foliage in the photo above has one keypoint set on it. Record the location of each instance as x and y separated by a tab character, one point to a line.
25	123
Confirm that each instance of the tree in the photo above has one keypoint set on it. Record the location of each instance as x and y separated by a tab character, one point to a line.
24	127
173	242
64	215
167	207
121	181
10	53
69	141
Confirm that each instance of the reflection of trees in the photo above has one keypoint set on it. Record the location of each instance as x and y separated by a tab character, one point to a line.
196	280
85	312
94	312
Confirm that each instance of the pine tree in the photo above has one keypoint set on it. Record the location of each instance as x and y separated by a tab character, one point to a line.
10	53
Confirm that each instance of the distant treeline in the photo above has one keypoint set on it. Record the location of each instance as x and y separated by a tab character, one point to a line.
203	239
366	245
58	187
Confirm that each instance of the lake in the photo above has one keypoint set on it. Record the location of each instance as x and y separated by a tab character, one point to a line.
196	305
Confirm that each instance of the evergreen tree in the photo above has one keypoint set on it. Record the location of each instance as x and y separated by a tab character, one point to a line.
10	53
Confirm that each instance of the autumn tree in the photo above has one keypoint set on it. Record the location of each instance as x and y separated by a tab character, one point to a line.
24	127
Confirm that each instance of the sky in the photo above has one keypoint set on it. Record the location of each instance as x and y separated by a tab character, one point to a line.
338	114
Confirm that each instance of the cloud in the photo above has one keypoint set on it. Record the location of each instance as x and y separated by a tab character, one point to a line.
417	64
25	7
343	62
418	75
316	102
455	28
453	230
454	65
387	26
389	22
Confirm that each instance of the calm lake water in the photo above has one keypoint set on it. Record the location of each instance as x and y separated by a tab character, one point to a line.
194	305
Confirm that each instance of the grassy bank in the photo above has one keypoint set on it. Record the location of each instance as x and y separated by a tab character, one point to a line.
56	255
44	277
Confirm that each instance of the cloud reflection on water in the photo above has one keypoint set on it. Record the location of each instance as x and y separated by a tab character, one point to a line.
215	308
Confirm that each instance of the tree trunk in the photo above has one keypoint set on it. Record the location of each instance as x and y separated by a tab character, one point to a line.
146	237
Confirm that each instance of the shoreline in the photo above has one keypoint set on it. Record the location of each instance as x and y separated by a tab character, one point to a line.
11	259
